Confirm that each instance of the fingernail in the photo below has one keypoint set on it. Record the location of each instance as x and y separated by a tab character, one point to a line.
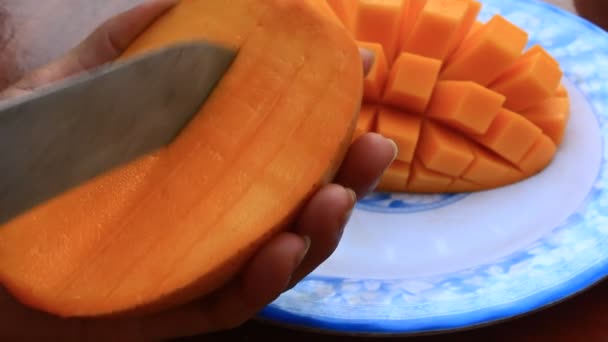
353	196
395	153
395	149
367	57
353	201
304	252
298	262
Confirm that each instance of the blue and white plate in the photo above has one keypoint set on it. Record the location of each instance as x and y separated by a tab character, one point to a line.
421	264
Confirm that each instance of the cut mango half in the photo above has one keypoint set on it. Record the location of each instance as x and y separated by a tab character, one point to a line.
470	107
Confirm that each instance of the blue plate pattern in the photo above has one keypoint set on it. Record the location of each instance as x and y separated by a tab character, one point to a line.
390	203
569	259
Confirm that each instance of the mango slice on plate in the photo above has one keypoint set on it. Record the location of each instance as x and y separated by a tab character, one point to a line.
470	107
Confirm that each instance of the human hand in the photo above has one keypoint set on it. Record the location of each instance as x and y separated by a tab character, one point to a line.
595	11
279	264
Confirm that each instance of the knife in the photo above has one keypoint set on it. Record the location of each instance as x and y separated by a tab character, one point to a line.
58	137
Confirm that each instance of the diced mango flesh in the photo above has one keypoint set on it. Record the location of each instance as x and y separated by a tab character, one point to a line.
487	168
485	55
442	150
467	25
367	120
411	82
551	117
469	107
438	25
380	21
395	178
346	10
530	81
510	136
460	185
424	180
412	9
539	156
465	105
375	80
402	128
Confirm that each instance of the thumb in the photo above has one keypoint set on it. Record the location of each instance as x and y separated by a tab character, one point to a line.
105	44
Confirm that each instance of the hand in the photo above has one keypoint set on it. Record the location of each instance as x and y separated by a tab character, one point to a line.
277	266
595	11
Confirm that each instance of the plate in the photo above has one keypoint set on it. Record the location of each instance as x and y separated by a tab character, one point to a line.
428	264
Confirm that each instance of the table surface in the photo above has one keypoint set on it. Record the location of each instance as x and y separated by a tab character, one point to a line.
581	318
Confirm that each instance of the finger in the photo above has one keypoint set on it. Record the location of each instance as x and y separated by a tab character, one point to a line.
284	261
106	43
367	57
110	39
262	281
323	220
367	159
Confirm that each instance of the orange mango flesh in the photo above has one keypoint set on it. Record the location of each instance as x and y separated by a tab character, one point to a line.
404	129
444	151
423	179
367	120
411	81
395	177
346	11
550	116
177	224
437	27
491	50
538	156
530	81
469	107
467	25
380	21
375	81
510	136
412	9
476	27
466	105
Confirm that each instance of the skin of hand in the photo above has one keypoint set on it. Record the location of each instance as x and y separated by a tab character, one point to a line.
277	266
595	11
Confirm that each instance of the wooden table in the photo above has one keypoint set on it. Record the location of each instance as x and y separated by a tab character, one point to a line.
43	29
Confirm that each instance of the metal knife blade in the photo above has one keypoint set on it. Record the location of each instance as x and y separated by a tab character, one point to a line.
72	131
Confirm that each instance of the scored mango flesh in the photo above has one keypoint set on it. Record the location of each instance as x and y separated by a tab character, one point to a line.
469	107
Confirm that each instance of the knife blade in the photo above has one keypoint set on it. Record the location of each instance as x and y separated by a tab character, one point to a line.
67	133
